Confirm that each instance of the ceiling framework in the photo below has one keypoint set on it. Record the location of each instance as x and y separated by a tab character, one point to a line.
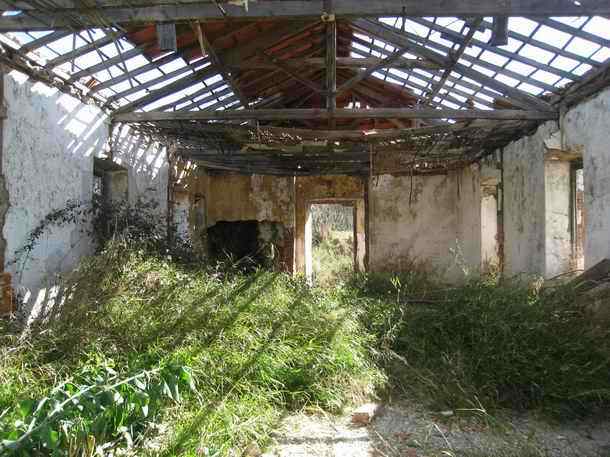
319	87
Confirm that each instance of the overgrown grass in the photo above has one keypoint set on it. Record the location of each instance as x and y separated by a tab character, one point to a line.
214	358
486	346
333	258
223	355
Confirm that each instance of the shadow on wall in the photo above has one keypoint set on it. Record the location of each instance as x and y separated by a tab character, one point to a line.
49	142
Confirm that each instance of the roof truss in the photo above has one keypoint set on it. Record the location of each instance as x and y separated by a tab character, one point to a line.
321	66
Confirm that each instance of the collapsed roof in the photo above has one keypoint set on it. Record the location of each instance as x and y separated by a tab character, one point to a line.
310	87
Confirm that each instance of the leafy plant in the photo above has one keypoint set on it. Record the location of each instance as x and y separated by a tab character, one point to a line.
95	409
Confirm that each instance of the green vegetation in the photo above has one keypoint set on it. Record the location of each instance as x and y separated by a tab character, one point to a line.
486	345
333	258
333	243
174	358
142	340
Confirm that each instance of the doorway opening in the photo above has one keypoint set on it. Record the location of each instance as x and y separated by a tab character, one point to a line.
334	240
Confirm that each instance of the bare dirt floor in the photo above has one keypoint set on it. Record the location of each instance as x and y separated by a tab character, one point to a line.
404	430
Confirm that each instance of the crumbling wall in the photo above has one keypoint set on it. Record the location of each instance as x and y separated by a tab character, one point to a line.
524	204
538	212
425	222
146	163
49	143
558	236
228	197
586	129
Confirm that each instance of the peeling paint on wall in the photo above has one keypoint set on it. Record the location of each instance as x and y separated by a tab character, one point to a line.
429	223
49	142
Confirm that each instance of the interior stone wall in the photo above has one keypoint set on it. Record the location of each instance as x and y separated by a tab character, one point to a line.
49	143
228	197
586	129
537	212
431	223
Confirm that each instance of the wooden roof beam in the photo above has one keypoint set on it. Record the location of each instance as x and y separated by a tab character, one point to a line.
274	9
455	57
208	49
342	63
320	114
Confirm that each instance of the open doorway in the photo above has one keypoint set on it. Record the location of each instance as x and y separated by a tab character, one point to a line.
334	240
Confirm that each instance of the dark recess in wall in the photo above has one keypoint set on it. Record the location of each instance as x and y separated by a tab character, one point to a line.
251	243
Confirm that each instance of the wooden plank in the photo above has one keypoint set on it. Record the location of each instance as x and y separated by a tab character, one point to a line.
45	40
304	114
369	71
455	57
331	60
169	89
80	51
292	72
208	49
153	82
301	9
342	63
395	38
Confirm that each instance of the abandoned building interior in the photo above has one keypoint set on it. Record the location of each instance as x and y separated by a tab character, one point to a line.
465	139
464	142
175	173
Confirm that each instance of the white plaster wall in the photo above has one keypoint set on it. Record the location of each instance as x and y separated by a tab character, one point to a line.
469	219
558	236
537	212
49	141
489	231
433	223
586	128
524	204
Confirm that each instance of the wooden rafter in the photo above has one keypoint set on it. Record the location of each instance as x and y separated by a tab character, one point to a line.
396	39
342	63
455	57
369	71
208	49
292	72
33	19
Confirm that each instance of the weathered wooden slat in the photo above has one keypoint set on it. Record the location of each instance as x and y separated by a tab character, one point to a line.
306	9
104	64
43	41
304	114
81	51
342	63
455	57
331	60
397	39
153	82
292	72
172	88
207	48
369	71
